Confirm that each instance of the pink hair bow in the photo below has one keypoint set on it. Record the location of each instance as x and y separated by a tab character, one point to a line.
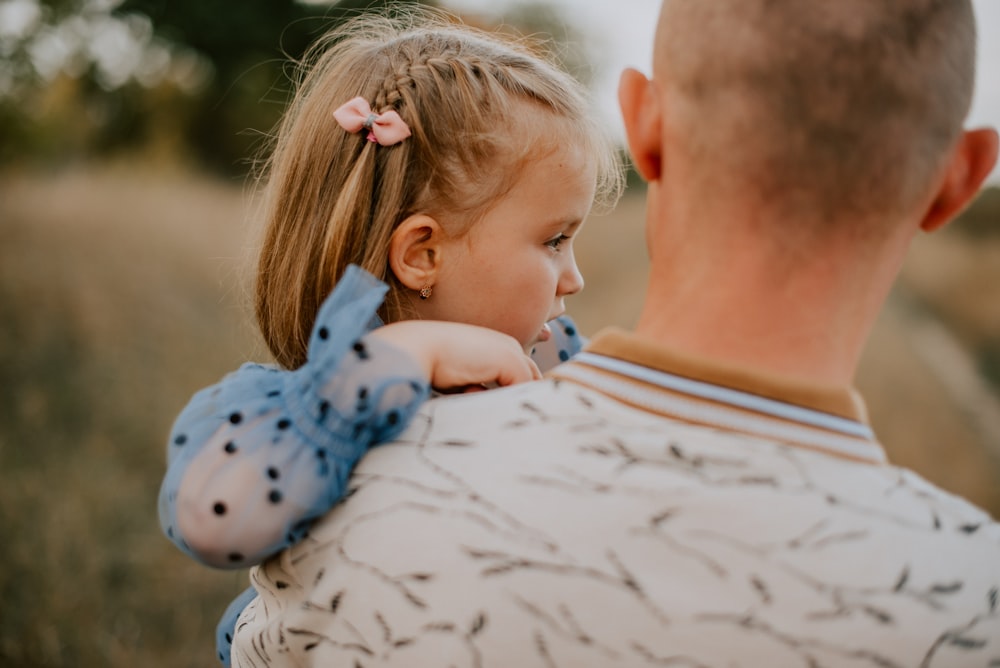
386	129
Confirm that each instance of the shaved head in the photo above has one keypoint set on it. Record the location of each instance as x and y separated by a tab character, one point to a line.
838	108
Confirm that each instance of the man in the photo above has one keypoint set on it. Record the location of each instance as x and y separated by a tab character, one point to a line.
704	491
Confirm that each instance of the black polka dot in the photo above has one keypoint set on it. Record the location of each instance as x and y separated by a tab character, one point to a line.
284	423
181	439
274	496
274	393
219	508
230	447
570	331
392	417
229	639
360	349
321	453
236	418
170	532
363	393
324	333
563	355
235	557
324	408
222	657
273	473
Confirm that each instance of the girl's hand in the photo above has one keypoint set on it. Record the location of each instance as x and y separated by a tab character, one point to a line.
455	355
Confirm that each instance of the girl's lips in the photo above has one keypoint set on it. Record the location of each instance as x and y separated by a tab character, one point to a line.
544	334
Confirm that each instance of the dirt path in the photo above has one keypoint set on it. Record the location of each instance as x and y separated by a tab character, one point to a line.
955	368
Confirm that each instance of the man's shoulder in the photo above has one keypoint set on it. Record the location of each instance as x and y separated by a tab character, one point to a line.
553	393
549	403
533	425
546	520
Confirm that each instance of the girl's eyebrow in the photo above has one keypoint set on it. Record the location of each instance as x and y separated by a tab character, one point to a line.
568	224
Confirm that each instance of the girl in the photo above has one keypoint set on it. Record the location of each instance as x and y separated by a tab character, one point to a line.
423	195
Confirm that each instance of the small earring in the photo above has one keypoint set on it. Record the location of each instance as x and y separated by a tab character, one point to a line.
425	292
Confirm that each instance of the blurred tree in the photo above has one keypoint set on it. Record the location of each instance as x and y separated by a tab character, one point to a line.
195	80
191	78
248	45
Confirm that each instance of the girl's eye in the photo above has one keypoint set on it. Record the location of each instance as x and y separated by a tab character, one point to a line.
555	242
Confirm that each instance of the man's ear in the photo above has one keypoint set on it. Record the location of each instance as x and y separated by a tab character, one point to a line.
415	251
971	162
640	105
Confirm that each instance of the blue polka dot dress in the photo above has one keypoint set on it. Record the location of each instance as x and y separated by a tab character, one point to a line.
254	459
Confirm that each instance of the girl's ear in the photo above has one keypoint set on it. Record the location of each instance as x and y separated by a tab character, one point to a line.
415	251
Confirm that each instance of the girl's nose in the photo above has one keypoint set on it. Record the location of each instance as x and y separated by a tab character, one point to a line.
570	280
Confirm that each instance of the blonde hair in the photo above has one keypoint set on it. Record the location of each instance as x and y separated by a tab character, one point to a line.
334	199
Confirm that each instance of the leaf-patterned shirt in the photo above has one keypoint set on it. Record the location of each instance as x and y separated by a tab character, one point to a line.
254	459
634	509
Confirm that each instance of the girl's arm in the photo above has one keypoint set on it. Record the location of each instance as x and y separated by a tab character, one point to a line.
254	459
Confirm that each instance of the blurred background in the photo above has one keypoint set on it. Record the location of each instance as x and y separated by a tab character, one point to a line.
127	131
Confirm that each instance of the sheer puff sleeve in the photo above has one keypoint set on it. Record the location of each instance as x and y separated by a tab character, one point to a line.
254	459
566	342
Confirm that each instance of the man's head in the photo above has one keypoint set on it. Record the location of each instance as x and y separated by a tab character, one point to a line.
835	109
793	149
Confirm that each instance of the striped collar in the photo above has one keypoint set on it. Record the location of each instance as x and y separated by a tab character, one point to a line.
652	378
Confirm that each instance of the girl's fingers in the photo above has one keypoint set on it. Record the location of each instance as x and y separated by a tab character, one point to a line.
455	355
519	369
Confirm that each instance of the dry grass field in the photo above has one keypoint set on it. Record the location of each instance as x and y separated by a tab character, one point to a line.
122	292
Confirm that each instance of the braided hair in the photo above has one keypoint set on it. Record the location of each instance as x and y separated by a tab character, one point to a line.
333	198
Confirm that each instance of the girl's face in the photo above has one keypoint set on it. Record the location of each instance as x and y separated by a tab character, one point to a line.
512	269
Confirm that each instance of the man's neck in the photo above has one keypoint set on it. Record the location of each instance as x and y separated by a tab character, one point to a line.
801	313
